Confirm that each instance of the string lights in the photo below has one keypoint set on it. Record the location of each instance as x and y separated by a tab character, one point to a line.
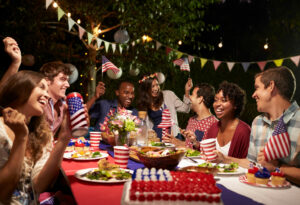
180	42
220	44
266	46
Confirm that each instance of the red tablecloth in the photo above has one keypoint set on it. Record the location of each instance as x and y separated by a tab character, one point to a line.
91	193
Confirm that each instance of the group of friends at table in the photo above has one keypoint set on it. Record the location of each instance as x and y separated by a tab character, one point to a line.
34	114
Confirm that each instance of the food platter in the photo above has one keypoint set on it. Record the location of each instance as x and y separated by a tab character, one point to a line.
238	171
81	175
244	180
68	155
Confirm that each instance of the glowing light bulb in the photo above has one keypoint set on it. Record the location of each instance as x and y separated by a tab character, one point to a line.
144	37
69	14
180	42
81	75
87	94
99	31
220	45
80	84
266	46
55	5
92	79
78	21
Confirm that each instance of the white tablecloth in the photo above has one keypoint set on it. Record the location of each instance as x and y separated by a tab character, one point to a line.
272	196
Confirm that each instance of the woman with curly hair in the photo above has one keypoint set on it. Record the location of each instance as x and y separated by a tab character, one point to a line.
28	161
232	134
157	102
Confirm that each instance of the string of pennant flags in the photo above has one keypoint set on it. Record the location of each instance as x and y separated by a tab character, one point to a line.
181	61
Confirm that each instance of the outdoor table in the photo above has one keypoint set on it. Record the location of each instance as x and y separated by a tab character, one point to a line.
233	191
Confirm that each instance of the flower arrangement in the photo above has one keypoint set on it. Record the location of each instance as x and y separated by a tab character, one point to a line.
120	123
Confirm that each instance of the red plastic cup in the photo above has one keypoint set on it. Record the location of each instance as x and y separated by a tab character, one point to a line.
121	155
79	124
208	147
95	138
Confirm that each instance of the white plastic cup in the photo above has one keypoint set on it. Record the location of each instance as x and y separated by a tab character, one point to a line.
208	148
95	138
121	156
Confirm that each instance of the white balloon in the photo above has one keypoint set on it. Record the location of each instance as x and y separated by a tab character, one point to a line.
160	78
113	75
121	36
134	72
74	75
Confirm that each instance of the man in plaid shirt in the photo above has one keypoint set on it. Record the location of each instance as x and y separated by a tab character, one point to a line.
274	91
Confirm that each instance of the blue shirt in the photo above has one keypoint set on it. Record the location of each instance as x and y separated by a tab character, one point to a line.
102	107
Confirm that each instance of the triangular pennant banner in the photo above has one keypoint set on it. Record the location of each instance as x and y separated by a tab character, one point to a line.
90	37
261	65
60	13
120	48
190	58
71	23
48	2
230	65
245	66
278	62
216	64
158	45
99	42
295	59
113	45
106	44
179	54
168	50
81	31
203	61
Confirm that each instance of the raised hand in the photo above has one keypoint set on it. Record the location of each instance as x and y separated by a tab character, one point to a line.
13	50
189	85
65	130
100	89
16	121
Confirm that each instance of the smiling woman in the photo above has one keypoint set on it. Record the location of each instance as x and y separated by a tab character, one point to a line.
25	139
232	134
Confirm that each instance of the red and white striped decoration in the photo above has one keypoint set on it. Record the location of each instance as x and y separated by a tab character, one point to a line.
166	121
279	145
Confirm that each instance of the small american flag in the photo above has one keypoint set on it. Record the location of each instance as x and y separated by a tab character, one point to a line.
178	62
183	63
279	144
166	121
106	65
77	112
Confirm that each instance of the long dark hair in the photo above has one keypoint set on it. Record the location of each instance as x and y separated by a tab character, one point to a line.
16	92
145	98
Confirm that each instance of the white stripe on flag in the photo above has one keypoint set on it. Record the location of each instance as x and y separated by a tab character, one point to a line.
278	145
77	113
77	120
286	143
271	148
81	124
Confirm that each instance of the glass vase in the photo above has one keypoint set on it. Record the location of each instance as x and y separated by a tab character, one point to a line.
122	138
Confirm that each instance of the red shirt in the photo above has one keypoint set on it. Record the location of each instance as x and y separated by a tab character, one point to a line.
201	125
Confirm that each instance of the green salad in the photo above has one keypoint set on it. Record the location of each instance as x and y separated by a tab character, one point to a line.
232	167
158	144
96	154
206	164
107	175
192	153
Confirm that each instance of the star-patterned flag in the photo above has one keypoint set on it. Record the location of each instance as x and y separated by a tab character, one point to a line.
279	145
178	61
166	121
77	112
106	65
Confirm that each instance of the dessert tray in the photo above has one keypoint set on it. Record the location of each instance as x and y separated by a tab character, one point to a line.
244	180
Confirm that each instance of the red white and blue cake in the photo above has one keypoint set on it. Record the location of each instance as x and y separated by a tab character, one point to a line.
174	187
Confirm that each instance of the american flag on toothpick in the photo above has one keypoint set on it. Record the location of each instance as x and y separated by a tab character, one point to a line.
106	65
279	145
